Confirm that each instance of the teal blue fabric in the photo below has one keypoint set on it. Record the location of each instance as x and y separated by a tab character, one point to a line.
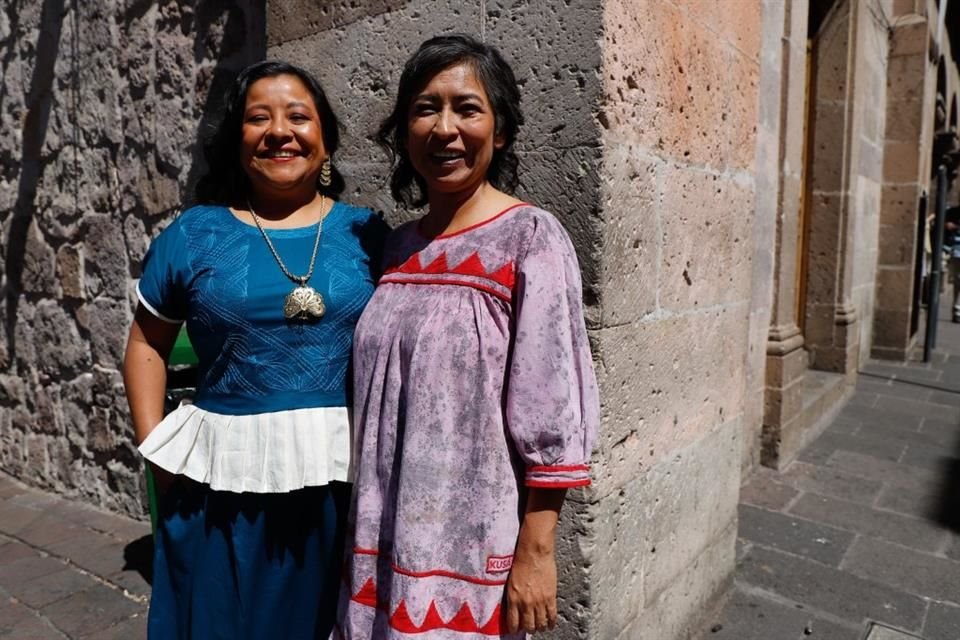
242	566
217	274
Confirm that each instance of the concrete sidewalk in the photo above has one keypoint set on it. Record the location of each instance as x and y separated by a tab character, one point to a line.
860	537
69	571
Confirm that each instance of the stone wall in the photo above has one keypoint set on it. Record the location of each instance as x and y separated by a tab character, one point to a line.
98	118
640	137
908	124
679	116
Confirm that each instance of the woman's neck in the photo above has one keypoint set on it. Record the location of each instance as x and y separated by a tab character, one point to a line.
452	212
284	212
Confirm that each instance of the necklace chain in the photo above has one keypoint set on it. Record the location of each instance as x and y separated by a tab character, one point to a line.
301	280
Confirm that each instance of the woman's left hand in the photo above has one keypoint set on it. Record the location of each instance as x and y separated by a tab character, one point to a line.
531	593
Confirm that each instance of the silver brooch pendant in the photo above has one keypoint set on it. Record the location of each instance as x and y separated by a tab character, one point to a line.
304	303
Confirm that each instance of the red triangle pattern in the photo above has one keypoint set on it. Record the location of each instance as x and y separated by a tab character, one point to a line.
400	620
367	594
471	266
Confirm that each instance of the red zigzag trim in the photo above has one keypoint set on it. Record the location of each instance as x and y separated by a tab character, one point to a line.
463	621
471	266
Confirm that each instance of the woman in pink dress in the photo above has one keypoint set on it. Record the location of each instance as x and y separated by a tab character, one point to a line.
475	401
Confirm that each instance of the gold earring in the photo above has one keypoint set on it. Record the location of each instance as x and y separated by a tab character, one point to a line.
326	173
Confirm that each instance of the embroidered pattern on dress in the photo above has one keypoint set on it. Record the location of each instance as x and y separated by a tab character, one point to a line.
499	564
463	621
469	273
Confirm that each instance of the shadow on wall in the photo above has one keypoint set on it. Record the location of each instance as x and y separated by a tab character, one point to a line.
240	47
38	105
243	42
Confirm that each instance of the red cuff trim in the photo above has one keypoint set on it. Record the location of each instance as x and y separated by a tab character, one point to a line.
557	468
562	484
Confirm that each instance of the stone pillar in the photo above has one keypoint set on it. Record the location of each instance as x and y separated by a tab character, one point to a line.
831	317
904	183
641	138
779	184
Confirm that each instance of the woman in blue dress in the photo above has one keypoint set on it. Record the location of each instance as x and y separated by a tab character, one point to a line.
270	273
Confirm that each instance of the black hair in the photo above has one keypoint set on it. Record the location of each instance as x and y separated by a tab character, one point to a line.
500	84
225	181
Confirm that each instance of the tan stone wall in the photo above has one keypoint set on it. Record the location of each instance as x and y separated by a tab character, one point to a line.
679	112
98	115
907	145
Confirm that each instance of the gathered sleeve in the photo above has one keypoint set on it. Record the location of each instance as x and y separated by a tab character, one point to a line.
163	281
552	403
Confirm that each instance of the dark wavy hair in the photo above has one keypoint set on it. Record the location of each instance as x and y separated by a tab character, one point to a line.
225	181
498	80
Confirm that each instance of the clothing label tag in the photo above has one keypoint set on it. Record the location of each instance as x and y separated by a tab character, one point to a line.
499	564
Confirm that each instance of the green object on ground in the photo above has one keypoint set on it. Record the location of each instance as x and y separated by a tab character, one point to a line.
182	352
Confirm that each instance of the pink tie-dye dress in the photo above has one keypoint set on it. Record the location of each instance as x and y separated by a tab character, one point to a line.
473	380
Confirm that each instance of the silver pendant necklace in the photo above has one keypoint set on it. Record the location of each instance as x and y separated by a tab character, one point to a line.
304	302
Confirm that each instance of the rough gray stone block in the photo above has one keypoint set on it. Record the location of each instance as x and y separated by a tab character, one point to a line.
831	482
905	569
883	632
800	537
753	615
829	590
763	490
820	450
885	471
47	589
943	622
911	532
871	417
89	611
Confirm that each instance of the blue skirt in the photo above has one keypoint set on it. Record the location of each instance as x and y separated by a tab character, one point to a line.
235	566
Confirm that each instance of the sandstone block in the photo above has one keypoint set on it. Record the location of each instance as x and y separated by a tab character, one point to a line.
740	111
832	44
706	244
783	369
891	327
901	162
904	7
667	103
629	271
829	140
904	120
909	39
899	205
684	518
905	76
70	271
665	384
895	284
897	245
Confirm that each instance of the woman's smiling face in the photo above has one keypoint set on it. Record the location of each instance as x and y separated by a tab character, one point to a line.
281	145
451	131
